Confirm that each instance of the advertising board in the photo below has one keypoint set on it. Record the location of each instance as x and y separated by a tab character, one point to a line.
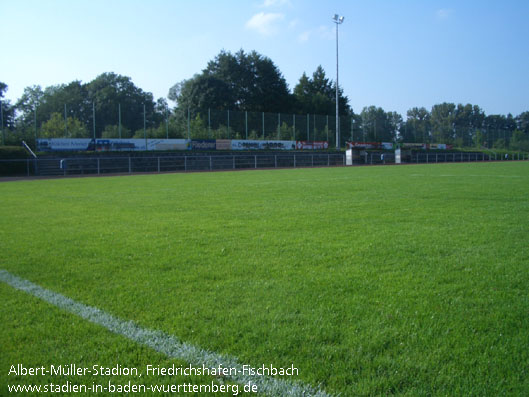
238	144
312	145
102	145
223	144
203	144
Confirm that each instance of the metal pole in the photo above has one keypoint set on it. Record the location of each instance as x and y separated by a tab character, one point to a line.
2	122
209	123
65	122
228	124
35	120
263	127
278	126
314	127
119	119
94	119
246	123
294	127
166	124
327	127
308	122
188	125
337	114
145	129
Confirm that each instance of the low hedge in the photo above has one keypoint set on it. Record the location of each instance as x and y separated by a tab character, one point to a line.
13	152
8	168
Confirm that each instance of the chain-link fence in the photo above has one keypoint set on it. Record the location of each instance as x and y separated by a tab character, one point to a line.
114	120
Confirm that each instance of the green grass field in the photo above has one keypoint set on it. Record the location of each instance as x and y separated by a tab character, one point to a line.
409	280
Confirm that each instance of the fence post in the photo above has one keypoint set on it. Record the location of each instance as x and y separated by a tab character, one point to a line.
98	168
294	160
263	128
210	163
130	167
255	160
185	163
275	161
233	158
188	123
327	127
312	160
27	166
329	158
308	125
209	123
293	127
158	164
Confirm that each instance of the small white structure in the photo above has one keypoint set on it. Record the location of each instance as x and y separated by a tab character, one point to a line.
349	157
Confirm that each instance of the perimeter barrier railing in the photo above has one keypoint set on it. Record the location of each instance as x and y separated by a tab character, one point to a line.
186	163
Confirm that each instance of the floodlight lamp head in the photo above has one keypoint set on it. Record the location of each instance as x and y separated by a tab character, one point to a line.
337	19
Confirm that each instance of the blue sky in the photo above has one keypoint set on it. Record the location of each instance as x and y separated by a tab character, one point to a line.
393	54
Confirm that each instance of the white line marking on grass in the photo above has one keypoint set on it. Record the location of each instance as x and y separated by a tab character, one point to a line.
161	342
465	176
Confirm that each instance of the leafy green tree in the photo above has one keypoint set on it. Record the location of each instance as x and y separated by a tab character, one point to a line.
317	95
394	126
109	92
479	139
377	126
499	144
245	82
8	112
519	141
27	105
418	126
468	118
443	122
522	123
56	127
112	131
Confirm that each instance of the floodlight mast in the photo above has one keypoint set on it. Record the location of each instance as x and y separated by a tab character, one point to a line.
337	19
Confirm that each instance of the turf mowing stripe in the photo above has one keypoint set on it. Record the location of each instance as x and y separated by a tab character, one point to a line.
162	342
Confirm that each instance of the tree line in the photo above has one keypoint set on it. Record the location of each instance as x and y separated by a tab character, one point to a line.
249	85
